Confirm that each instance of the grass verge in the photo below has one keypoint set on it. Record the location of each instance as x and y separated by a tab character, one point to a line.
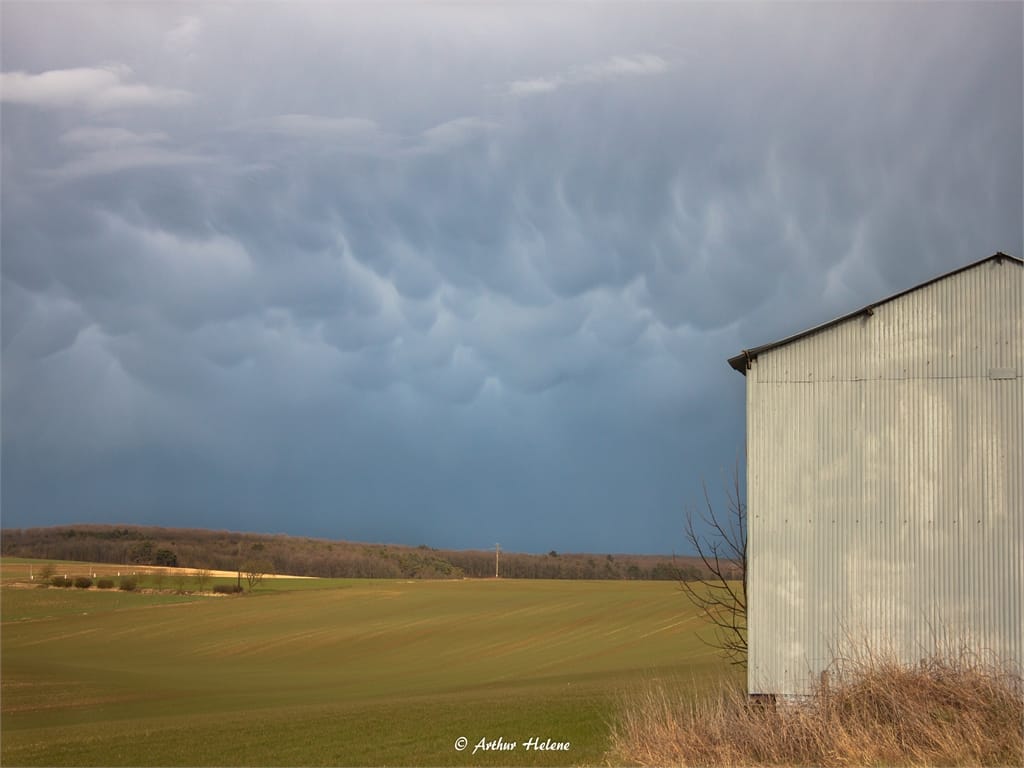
869	711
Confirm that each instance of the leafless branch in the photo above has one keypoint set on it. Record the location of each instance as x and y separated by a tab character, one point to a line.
721	597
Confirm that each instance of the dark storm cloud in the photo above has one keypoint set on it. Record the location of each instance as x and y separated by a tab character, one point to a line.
460	274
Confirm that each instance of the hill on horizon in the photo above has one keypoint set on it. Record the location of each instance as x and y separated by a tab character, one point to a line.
307	556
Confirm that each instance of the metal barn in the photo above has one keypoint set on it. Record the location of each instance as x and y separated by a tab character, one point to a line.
884	491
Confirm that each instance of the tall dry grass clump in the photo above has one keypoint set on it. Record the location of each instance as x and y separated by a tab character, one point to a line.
869	711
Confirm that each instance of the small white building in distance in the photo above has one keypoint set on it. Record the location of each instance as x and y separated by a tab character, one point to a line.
885	498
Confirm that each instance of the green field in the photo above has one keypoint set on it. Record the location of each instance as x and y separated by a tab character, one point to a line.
334	672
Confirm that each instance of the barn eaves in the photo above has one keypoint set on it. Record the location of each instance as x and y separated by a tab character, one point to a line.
743	360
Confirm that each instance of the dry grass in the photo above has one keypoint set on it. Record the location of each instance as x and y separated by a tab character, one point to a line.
871	711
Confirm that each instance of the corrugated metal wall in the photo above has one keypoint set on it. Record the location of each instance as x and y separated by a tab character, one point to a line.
886	505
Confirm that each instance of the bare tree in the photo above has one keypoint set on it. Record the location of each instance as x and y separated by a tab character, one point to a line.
254	571
203	577
719	538
159	578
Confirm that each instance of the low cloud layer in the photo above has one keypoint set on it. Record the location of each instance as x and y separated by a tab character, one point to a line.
95	88
456	275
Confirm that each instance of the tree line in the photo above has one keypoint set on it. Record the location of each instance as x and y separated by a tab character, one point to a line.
302	556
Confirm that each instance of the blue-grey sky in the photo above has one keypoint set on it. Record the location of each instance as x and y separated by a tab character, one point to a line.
458	274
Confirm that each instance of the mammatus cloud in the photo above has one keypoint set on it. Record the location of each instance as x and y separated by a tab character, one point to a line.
377	286
96	88
611	69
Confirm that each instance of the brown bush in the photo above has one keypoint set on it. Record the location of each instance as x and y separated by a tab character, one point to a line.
872	712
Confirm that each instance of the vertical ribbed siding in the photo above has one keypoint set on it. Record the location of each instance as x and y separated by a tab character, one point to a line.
884	482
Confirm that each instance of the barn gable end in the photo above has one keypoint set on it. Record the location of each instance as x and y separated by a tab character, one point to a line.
884	456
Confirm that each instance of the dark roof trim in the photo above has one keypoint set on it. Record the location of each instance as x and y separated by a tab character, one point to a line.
742	361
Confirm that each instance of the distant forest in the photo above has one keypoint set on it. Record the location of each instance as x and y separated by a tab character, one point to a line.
299	556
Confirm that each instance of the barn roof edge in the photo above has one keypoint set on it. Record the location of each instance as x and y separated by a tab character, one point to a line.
742	361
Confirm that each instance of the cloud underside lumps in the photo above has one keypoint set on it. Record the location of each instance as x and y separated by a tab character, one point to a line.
213	299
528	256
479	254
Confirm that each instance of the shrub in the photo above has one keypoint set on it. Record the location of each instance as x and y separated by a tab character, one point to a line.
83	582
105	583
873	712
226	589
61	581
129	583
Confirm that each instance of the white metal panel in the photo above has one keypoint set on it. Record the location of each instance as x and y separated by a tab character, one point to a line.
947	328
884	482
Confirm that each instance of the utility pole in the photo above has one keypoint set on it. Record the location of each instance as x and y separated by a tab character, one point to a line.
497	552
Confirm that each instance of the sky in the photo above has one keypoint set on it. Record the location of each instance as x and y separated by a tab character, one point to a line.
466	273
